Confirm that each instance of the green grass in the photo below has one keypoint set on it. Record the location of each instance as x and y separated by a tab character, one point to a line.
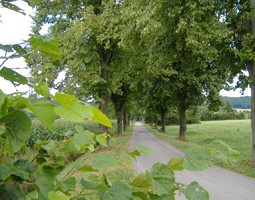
236	133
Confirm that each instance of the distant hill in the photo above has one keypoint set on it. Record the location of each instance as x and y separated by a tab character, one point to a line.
239	102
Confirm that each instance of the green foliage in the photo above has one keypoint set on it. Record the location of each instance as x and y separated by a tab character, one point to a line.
239	102
41	171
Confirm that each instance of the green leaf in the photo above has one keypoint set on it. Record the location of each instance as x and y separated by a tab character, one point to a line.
106	180
195	192
126	159
20	174
74	112
232	152
43	89
79	139
44	111
6	48
145	150
134	153
67	185
46	45
12	7
161	197
100	117
89	185
142	182
104	161
140	195
25	165
54	196
64	99
19	49
225	159
87	169
118	191
44	182
11	75
2	99
102	140
197	159
176	164
17	130
162	179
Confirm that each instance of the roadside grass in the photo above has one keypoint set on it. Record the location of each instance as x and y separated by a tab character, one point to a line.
236	133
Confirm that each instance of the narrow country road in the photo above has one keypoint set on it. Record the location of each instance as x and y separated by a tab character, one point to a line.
221	184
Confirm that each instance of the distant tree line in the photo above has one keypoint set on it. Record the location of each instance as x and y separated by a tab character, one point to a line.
197	114
239	102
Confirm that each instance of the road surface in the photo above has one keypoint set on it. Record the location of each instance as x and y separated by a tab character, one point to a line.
221	184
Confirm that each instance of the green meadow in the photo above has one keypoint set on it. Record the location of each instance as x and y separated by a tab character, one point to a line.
236	133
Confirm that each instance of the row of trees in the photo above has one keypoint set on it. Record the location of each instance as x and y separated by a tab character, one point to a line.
156	54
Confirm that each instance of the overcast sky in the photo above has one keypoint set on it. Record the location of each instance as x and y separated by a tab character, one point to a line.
14	28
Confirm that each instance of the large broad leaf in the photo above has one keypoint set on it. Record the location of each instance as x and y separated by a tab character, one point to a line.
145	150
54	196
195	192
17	130
231	151
43	89
100	117
104	161
44	111
74	111
44	182
162	179
64	99
197	159
176	164
118	191
13	76
142	182
46	45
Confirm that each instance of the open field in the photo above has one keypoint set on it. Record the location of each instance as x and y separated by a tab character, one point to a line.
236	133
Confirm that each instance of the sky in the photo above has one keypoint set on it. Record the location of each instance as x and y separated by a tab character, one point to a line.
15	28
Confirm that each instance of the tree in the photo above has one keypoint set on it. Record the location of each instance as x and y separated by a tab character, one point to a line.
190	43
228	107
89	32
240	18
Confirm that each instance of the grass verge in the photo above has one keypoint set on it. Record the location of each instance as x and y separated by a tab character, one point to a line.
236	133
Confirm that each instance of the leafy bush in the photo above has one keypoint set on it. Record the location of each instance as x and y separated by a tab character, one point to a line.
41	132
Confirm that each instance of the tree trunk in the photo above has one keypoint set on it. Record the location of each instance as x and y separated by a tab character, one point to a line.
119	121
251	69
103	104
182	117
125	120
128	121
156	122
163	119
118	110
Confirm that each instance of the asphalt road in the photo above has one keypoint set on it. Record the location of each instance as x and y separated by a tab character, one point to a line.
221	184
